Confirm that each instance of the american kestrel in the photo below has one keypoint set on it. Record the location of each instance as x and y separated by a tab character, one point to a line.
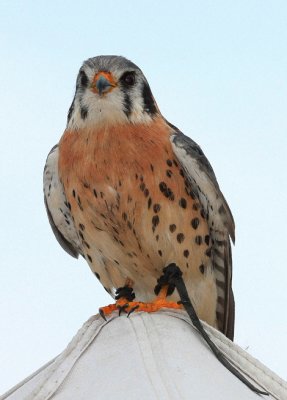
132	194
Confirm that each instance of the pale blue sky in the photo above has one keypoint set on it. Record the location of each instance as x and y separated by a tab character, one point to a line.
218	70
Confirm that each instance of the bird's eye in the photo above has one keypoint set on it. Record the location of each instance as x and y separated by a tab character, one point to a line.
128	78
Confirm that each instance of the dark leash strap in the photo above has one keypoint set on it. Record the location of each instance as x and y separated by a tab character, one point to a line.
173	277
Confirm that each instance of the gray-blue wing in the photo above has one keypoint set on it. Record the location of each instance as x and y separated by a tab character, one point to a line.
58	209
200	174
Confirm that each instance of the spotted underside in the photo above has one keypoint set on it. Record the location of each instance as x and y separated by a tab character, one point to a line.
135	211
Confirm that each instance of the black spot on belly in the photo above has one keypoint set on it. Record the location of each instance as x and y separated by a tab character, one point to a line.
201	268
151	167
160	253
168	173
146	192
82	227
198	240
89	258
162	187
86	244
195	223
172	228
186	253
166	190
124	216
155	222
169	163
180	237
98	276
142	186
208	252
80	203
149	202
115	230
182	202
74	193
206	239
169	194
156	208
95	193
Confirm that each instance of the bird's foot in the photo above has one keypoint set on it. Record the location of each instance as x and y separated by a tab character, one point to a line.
159	302
124	296
128	306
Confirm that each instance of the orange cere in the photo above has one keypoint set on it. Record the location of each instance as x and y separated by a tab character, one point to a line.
106	75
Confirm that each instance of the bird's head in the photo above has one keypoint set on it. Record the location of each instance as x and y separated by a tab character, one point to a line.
111	90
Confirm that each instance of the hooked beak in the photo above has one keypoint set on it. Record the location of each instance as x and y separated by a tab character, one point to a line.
103	82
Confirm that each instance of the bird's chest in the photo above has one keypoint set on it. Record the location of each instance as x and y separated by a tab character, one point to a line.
130	200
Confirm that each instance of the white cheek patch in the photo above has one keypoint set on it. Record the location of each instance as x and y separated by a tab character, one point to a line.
97	110
89	109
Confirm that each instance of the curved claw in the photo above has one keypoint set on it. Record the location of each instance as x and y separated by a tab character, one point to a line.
132	310
122	308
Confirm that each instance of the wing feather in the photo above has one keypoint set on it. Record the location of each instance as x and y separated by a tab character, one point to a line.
200	174
57	207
